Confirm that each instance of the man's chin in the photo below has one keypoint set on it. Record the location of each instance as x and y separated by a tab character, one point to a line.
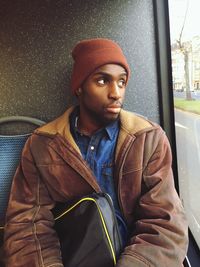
109	118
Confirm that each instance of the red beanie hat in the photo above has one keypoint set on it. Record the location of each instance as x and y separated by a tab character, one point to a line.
91	54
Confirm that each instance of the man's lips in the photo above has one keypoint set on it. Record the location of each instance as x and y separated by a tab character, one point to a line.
113	108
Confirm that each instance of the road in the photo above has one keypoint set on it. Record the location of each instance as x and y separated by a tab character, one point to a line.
188	155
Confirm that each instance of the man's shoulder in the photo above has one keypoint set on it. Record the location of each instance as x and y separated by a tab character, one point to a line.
58	125
135	123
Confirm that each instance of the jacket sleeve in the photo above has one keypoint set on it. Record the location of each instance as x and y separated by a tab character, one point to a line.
30	240
160	235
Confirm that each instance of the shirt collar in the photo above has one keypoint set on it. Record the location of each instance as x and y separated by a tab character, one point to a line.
110	129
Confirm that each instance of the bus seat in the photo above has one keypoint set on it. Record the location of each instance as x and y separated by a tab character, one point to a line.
10	152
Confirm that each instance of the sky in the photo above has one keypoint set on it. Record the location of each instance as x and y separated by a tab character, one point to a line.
177	10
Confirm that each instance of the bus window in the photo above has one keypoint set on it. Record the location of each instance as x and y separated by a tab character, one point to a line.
185	51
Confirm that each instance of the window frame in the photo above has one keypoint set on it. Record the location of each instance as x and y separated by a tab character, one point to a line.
166	102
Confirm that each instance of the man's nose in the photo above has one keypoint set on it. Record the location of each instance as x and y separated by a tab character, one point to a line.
114	91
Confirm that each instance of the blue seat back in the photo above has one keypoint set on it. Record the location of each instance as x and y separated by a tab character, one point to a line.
10	153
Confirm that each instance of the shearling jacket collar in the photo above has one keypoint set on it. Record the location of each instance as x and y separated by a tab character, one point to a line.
130	124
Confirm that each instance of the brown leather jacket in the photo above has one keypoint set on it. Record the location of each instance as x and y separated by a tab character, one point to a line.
52	170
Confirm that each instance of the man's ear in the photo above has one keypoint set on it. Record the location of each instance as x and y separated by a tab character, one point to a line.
78	91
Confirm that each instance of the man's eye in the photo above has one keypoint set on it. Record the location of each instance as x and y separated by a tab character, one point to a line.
101	81
122	83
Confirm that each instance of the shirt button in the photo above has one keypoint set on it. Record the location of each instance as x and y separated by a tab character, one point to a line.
92	147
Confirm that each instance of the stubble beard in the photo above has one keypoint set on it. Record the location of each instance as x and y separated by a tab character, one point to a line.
101	119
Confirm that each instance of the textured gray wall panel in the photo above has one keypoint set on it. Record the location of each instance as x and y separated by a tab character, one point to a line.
36	38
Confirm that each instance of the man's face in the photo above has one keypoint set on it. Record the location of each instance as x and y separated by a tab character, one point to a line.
102	94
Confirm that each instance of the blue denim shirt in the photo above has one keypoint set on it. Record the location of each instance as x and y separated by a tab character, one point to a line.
98	151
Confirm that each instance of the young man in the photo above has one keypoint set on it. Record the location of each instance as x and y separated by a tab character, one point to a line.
97	146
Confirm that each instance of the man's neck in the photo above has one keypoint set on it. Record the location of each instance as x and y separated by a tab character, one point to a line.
87	128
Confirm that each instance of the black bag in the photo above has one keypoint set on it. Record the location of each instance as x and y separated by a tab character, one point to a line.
88	232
